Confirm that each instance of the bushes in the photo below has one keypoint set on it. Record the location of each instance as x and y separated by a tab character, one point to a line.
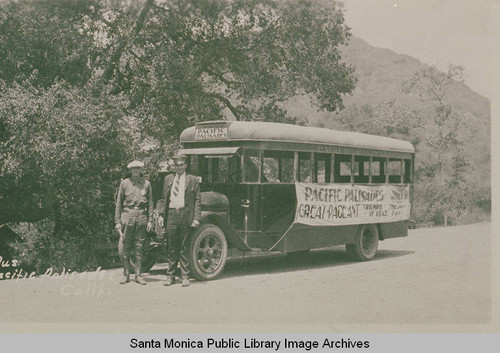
68	144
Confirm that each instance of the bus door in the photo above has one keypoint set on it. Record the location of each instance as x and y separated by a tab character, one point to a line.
278	191
246	203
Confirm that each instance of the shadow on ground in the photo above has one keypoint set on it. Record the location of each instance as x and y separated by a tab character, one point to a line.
278	262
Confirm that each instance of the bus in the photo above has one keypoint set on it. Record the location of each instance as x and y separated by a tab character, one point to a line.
272	187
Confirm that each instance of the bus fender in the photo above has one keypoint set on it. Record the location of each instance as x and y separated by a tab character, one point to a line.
230	233
392	230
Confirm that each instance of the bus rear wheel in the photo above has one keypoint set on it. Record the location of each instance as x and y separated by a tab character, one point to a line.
208	252
366	244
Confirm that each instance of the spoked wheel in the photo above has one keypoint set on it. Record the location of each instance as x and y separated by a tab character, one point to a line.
366	244
208	252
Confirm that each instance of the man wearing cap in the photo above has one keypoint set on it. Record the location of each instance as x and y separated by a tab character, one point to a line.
133	219
181	210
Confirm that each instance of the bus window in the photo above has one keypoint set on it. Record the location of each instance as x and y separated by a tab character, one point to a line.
305	167
342	168
361	169
195	166
278	167
207	170
322	167
378	170
394	171
270	171
218	169
251	167
235	169
223	170
286	167
320	171
407	171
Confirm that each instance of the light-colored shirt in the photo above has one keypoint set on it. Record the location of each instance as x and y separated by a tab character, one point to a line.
177	201
134	193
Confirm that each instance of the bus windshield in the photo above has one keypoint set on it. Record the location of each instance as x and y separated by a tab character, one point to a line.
216	168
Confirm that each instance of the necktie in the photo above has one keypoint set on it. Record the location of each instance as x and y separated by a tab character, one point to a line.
176	186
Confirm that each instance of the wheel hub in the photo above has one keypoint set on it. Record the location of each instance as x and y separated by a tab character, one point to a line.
209	253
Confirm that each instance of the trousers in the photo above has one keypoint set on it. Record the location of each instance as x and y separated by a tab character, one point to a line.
134	225
178	244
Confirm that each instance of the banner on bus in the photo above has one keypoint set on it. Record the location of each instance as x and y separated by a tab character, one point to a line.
319	204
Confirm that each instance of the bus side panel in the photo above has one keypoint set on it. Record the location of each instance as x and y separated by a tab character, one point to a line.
393	230
304	237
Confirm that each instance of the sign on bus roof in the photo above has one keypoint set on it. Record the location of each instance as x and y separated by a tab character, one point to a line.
211	131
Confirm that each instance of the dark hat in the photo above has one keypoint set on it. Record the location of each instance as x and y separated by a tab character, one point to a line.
135	164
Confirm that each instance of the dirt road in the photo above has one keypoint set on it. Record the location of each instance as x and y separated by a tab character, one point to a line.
432	278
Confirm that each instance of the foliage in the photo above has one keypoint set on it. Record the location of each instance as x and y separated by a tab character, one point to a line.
212	59
69	146
44	41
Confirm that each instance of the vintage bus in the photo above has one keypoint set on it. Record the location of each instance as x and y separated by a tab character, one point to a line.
278	187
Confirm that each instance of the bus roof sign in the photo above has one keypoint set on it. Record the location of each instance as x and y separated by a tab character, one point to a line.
211	131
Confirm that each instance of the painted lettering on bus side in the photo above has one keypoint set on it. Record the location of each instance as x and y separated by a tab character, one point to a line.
328	212
351	204
356	195
323	194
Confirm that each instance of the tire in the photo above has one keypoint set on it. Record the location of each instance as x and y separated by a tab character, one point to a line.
366	244
208	252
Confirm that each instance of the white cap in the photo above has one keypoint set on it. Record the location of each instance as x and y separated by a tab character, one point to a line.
135	164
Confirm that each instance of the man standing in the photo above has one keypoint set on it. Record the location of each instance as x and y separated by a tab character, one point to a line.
181	210
133	219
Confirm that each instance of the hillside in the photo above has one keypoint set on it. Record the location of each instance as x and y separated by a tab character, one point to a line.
380	74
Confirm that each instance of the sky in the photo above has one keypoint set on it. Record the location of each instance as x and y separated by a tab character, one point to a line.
436	32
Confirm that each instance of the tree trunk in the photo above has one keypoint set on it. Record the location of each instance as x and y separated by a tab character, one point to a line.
123	42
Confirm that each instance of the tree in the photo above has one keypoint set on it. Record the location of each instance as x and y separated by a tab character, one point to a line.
45	41
206	60
444	162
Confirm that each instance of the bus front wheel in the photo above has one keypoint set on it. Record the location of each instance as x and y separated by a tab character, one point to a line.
208	252
366	244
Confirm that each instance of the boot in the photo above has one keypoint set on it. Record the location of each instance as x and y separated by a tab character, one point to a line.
138	277
169	281
140	280
125	279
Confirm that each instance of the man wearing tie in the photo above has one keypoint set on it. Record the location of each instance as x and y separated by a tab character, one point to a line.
181	210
